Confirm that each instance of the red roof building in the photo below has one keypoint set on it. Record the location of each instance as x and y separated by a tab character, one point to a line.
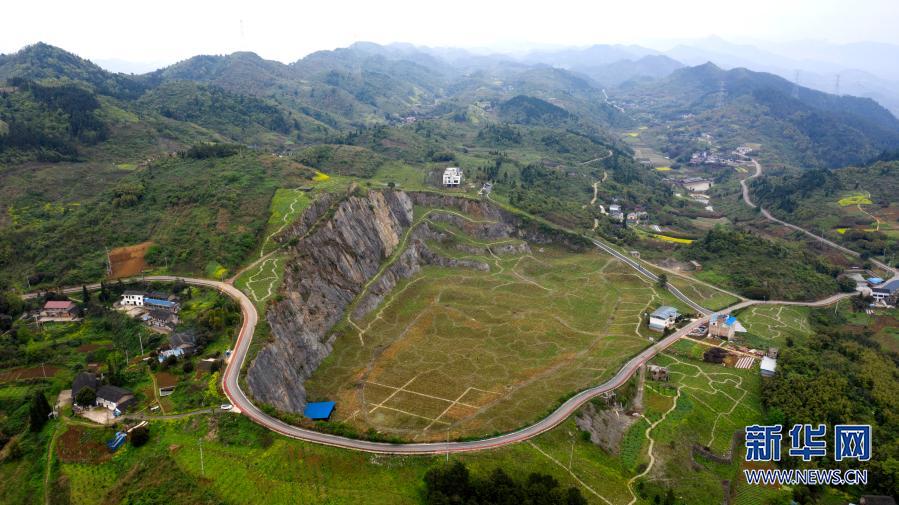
59	309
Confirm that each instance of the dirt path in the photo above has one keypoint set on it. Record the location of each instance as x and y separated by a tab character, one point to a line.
50	447
652	458
599	158
573	476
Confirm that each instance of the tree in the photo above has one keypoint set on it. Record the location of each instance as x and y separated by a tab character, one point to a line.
38	411
140	436
86	396
188	366
663	281
85	295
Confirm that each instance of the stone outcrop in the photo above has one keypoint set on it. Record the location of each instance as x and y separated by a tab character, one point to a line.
606	426
328	268
337	247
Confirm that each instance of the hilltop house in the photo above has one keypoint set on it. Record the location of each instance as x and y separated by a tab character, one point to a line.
114	398
663	318
452	177
59	310
722	326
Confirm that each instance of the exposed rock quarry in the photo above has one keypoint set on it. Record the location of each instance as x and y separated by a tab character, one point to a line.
606	426
336	248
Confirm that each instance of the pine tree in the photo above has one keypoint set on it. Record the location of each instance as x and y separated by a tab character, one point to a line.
38	411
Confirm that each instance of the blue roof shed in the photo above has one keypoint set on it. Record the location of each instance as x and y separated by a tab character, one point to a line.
318	410
159	303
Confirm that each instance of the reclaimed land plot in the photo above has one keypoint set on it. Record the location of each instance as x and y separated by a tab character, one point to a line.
457	352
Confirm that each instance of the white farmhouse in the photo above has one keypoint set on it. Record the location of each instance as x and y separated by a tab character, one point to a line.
452	177
135	298
663	318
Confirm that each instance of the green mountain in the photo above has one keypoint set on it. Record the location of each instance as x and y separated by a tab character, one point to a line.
529	110
801	126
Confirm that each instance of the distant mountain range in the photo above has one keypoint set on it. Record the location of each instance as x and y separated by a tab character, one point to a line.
246	99
806	127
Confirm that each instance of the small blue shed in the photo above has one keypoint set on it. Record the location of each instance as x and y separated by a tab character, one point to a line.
318	410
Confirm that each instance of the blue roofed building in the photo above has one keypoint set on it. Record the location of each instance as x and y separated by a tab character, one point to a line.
663	318
319	411
722	326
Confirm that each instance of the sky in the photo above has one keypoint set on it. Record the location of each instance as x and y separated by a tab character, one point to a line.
165	31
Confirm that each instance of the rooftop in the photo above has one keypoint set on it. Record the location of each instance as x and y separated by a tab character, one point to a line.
112	393
452	171
59	304
664	312
769	364
891	286
318	410
158	302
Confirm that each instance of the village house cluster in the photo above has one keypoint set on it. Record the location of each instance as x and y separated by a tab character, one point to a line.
156	310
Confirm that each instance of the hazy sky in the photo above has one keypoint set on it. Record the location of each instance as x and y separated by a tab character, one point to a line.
165	31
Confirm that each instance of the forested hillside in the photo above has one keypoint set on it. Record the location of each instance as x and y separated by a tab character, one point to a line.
799	126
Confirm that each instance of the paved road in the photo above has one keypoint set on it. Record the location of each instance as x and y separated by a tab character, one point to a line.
231	384
768	216
651	276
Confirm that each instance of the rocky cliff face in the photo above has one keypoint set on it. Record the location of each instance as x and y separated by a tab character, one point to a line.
336	248
328	268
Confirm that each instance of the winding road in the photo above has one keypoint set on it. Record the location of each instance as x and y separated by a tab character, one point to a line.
233	391
768	216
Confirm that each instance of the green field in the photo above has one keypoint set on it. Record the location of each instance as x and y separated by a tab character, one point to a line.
462	352
771	325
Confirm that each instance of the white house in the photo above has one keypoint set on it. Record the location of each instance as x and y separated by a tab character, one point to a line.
113	397
769	365
663	318
452	177
135	298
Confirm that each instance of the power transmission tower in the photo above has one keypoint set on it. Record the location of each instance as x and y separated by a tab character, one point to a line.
796	85
836	86
722	93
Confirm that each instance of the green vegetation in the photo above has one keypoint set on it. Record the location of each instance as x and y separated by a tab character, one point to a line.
760	268
195	211
854	205
807	128
840	375
588	304
453	484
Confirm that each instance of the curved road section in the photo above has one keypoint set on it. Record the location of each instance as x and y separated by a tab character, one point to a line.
232	389
768	216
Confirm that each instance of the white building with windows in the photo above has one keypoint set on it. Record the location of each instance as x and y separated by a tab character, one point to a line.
663	318
135	298
452	177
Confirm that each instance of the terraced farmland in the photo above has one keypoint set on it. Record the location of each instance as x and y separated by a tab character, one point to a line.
458	352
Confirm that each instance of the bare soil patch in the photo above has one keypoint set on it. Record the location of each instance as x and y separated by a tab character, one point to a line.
82	445
128	261
35	372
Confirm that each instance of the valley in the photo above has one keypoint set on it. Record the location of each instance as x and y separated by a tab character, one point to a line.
304	218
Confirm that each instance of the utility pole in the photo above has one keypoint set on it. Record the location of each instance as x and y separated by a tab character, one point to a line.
202	466
141	340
